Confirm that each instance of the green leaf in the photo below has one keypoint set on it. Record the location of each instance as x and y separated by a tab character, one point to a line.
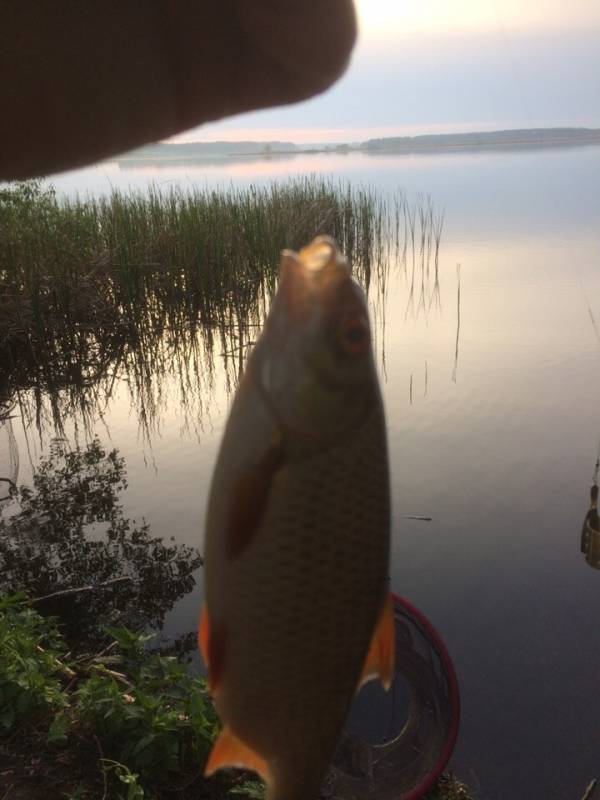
12	600
7	718
143	744
57	733
24	702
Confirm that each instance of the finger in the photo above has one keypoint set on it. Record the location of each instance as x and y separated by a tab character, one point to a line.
82	81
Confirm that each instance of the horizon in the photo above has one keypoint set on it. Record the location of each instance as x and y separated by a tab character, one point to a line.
279	135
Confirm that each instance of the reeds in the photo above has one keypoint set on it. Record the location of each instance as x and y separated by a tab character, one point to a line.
140	283
97	261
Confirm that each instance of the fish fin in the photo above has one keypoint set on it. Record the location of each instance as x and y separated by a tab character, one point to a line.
250	494
204	634
212	647
229	751
382	652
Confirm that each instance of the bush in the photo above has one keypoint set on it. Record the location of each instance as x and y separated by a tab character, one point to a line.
138	716
29	666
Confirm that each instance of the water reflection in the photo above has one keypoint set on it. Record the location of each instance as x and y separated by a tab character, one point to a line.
153	164
422	234
76	380
590	532
9	455
70	544
457	322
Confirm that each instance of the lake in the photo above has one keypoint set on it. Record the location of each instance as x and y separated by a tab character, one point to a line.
491	383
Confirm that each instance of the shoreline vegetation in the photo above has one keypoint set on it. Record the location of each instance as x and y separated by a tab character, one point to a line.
93	704
122	288
123	722
512	139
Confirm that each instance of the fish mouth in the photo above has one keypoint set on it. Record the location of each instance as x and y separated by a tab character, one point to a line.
316	283
316	291
321	255
317	267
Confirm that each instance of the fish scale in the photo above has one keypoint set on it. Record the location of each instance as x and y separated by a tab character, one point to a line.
285	609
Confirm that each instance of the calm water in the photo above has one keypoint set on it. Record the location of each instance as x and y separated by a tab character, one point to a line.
494	427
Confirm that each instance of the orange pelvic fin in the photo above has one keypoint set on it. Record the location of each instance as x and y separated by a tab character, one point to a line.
229	751
212	647
382	652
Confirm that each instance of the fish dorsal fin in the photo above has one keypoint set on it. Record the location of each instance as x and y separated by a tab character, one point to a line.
229	751
380	659
249	498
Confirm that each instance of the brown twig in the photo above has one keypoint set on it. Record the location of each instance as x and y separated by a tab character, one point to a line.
117	676
79	589
66	671
105	651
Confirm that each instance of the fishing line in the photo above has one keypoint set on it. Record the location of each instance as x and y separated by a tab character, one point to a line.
597	466
587	302
597	333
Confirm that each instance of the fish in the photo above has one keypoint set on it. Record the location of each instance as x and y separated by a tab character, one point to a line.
297	613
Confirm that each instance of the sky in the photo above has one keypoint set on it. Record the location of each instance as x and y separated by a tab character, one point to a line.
434	66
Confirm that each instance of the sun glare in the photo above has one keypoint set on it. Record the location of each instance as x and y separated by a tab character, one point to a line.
389	17
383	16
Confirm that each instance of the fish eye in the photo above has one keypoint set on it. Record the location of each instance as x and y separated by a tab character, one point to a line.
353	334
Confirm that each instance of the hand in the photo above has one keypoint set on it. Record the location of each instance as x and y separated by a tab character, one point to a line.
84	80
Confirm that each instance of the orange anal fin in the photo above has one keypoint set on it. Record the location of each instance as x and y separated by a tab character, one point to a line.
380	660
229	751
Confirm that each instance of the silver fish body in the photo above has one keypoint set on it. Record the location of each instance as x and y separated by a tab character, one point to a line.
297	542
